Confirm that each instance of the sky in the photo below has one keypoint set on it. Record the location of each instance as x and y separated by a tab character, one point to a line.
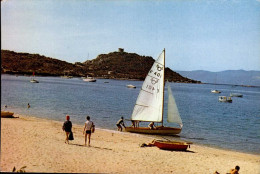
212	35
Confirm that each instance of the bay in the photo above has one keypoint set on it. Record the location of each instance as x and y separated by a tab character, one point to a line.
234	126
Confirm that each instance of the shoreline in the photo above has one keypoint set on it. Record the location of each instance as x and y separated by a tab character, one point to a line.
39	144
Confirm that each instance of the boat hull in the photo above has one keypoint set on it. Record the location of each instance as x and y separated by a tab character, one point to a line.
34	81
171	145
89	80
158	131
236	95
225	99
5	114
215	91
131	86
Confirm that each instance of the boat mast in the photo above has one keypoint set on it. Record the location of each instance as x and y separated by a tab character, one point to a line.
163	82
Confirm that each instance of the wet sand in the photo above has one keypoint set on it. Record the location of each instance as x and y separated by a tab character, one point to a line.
39	145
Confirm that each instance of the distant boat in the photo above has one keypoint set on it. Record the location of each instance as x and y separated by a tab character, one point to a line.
225	99
34	80
215	91
149	105
236	95
131	86
171	145
89	79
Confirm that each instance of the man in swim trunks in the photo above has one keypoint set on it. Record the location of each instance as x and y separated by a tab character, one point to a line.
87	130
119	123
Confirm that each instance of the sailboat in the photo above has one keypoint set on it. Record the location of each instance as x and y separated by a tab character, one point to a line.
150	103
34	80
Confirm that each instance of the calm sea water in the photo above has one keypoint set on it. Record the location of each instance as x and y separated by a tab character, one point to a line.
206	121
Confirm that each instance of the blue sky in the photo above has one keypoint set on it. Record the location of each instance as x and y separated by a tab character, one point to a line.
212	35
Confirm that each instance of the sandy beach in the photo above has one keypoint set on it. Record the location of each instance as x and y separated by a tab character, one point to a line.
39	145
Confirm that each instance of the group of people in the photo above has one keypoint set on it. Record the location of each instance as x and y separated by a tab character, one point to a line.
88	129
120	124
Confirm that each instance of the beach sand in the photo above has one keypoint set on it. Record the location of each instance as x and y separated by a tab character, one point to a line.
39	145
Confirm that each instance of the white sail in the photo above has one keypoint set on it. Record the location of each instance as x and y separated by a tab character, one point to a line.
173	113
149	104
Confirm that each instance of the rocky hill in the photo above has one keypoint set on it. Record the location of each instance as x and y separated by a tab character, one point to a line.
115	65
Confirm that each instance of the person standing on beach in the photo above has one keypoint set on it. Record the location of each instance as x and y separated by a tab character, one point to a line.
120	123
67	125
87	130
28	106
151	125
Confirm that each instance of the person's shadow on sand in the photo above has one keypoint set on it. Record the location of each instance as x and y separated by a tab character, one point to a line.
90	146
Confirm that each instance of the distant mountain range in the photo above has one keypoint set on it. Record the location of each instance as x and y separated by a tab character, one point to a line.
234	77
115	65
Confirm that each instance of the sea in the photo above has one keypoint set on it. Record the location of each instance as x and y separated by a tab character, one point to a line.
206	121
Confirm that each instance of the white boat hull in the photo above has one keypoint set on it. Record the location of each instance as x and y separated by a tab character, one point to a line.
89	80
34	81
215	91
131	86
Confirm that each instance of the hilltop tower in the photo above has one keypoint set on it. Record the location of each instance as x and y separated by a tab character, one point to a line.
120	50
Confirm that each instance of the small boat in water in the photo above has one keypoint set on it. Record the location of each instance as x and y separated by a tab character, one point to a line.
131	86
89	79
215	91
171	145
236	95
225	99
6	114
34	80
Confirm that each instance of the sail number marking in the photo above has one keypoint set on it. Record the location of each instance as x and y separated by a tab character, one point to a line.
157	74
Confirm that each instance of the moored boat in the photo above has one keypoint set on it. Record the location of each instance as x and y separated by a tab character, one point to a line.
89	79
131	86
34	81
236	95
215	91
225	99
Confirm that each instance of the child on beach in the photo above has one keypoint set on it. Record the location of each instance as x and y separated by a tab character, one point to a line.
235	171
89	125
67	125
120	123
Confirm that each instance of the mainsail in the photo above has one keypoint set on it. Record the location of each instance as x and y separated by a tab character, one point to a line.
173	113
149	104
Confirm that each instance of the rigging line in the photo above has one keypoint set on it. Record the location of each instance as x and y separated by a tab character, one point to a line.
141	105
146	106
